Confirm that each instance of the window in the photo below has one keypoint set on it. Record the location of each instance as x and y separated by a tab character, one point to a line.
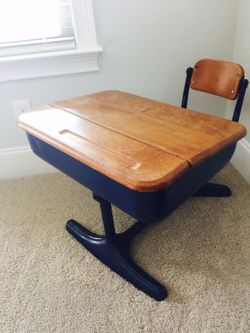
35	26
46	38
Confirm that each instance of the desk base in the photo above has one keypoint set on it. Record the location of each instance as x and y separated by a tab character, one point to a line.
114	250
213	190
143	206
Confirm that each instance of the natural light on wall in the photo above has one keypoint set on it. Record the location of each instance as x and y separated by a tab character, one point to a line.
17	17
33	26
40	38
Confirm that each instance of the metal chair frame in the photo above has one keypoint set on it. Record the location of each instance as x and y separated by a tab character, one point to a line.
212	189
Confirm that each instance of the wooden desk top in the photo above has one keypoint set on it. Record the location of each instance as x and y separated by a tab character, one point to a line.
140	143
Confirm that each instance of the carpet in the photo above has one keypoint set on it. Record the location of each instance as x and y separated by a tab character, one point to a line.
50	283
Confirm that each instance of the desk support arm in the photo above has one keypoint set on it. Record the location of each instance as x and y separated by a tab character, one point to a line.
114	250
213	190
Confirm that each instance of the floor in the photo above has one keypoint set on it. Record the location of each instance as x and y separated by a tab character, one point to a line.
50	283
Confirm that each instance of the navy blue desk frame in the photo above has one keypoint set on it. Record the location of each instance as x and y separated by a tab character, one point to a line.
146	207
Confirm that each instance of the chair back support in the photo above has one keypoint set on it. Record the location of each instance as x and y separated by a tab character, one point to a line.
221	78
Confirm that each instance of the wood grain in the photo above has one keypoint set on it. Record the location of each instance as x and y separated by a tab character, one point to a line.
140	143
217	77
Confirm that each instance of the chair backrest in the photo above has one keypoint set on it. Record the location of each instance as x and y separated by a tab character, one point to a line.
221	78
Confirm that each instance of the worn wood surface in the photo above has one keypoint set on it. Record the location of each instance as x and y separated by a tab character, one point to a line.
142	144
217	77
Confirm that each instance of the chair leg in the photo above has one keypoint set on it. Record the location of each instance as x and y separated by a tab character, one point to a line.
214	190
114	250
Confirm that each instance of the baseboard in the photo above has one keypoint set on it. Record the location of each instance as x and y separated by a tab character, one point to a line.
20	162
241	159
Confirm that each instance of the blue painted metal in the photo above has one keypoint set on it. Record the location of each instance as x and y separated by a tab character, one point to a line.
185	94
242	90
112	248
143	206
213	190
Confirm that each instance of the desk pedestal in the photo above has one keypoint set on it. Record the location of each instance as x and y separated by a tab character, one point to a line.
113	249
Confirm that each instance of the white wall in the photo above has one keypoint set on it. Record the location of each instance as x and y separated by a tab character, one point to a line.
147	47
241	158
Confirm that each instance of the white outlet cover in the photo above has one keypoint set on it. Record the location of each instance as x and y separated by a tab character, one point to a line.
21	106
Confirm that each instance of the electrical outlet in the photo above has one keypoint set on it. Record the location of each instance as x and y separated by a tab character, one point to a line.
21	106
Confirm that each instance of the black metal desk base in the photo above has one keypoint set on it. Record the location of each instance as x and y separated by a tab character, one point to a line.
213	190
114	250
149	207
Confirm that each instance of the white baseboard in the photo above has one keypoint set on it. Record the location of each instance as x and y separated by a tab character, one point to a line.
241	159
20	162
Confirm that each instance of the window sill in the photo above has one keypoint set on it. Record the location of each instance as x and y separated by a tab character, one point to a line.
49	64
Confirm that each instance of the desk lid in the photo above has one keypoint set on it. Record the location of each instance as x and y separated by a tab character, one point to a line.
140	143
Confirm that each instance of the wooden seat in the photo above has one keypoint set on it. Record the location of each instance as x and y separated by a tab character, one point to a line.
221	78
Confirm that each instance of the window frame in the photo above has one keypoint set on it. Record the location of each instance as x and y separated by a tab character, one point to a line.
83	58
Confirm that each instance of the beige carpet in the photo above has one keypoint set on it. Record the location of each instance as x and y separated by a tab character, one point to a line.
50	283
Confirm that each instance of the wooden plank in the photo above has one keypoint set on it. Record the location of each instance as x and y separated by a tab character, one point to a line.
205	123
142	144
221	78
130	162
190	135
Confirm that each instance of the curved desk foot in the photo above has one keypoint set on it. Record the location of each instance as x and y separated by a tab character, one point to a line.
214	190
114	251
